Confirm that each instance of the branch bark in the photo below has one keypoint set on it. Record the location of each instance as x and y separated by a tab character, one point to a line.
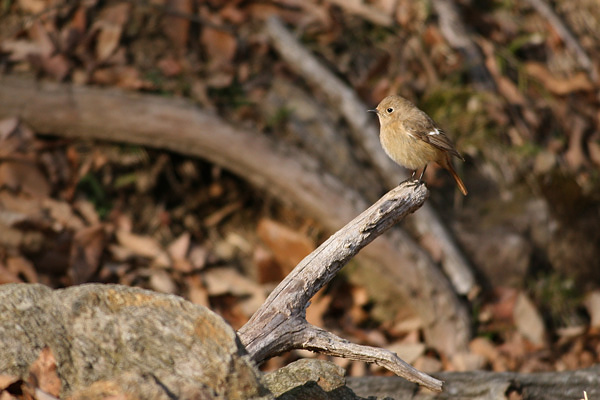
280	325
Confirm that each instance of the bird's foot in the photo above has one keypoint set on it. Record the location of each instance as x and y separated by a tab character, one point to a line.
412	182
416	183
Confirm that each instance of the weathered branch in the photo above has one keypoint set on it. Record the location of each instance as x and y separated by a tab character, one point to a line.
280	325
364	130
325	342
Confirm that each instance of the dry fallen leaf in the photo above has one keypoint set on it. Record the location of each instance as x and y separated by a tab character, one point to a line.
366	11
466	361
220	46
408	352
43	375
19	49
197	293
24	176
288	245
267	268
87	210
20	266
86	248
528	320
143	246
57	65
161	281
33	6
575	154
41	37
178	250
504	304
560	86
123	76
10	387
198	256
222	281
18	209
110	28
485	348
170	66
592	305
7	276
317	308
179	247
177	29
593	146
62	215
7	380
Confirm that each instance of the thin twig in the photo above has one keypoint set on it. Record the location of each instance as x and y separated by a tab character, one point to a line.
327	343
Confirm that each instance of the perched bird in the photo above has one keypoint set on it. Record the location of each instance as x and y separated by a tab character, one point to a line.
412	139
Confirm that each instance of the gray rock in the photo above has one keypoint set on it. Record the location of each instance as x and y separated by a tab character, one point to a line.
309	379
111	339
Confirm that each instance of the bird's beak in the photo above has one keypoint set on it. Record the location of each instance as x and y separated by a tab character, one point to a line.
373	111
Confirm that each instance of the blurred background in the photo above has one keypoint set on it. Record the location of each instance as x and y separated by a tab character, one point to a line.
514	83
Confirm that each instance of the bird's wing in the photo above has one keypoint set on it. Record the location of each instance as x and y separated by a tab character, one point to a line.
425	129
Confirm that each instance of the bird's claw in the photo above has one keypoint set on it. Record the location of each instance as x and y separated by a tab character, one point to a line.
412	182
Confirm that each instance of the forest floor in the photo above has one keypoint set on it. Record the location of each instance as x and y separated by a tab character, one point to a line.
75	211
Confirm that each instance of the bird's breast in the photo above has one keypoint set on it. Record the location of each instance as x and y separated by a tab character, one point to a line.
407	150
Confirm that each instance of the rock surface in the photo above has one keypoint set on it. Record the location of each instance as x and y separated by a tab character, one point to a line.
310	379
112	340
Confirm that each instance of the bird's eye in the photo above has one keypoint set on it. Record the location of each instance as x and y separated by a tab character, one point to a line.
390	110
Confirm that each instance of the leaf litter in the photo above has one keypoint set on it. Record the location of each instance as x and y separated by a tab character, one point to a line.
74	212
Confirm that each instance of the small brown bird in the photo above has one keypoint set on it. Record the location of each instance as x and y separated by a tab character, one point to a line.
412	139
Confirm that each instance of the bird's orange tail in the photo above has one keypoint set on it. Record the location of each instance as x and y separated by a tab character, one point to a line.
448	165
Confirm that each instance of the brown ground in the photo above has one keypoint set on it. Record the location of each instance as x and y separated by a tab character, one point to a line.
74	212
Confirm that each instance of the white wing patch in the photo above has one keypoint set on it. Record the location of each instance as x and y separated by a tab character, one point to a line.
435	131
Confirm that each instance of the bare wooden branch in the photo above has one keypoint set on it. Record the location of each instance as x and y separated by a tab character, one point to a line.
280	325
364	130
325	342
